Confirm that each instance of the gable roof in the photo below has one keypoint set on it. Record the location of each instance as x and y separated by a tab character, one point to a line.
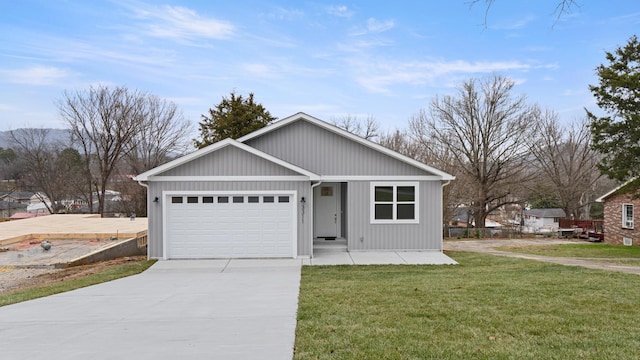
546	213
145	176
615	190
377	147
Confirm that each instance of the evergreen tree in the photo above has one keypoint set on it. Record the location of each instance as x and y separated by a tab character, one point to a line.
617	135
232	118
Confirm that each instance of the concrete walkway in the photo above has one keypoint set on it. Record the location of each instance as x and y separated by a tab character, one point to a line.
192	309
489	247
329	257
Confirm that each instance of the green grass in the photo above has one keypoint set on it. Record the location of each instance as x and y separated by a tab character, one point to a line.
488	307
68	285
604	251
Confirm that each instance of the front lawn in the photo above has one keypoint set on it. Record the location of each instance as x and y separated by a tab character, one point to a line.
604	251
488	307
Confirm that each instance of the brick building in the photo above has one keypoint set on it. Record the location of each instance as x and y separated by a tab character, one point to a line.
622	214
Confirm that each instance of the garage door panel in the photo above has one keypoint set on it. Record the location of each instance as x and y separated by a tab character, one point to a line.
245	226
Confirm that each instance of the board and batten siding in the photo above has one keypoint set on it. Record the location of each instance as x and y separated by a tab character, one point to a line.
426	235
324	152
230	161
156	188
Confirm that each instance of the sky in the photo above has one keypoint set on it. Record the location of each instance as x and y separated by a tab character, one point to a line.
380	59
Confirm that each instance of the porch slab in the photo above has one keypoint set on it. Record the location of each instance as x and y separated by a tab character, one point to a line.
379	258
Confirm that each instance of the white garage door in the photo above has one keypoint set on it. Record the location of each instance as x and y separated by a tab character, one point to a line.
250	225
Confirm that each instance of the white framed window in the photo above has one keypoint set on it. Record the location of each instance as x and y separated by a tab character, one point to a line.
627	216
394	202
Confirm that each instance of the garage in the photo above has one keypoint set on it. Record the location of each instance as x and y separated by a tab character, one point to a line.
230	225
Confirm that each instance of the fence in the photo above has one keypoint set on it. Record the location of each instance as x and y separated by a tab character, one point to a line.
586	225
488	233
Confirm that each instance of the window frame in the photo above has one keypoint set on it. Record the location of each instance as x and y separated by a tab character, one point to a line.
627	222
394	217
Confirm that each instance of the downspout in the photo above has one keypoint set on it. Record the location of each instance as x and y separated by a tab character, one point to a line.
442	232
146	186
311	207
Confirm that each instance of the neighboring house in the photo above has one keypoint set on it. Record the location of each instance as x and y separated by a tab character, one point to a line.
462	215
621	218
9	208
271	192
22	197
541	220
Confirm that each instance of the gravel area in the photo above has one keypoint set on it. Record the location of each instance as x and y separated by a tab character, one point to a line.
11	279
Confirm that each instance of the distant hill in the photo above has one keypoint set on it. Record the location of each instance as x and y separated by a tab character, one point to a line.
61	135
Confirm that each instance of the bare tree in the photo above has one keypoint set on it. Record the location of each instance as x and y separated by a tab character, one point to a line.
400	141
484	130
37	155
163	133
103	121
563	7
564	155
122	132
366	129
8	164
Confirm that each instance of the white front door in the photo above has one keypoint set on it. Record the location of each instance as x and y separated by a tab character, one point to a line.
326	214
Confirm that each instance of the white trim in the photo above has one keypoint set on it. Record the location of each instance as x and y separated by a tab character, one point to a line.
217	146
273	126
626	223
603	197
391	178
338	208
295	178
294	204
229	178
395	185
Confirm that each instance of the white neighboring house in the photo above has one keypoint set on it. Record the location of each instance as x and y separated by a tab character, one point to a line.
542	220
38	203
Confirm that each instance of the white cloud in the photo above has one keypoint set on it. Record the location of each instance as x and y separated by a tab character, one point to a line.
286	14
259	70
36	75
177	22
376	26
340	11
514	24
379	77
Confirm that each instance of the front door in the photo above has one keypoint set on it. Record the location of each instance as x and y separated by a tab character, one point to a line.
325	216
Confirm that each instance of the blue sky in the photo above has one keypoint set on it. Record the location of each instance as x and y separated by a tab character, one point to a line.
329	59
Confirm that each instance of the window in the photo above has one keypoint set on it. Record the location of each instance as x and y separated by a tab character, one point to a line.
253	199
207	199
268	199
394	203
627	216
176	199
238	199
283	199
192	199
223	199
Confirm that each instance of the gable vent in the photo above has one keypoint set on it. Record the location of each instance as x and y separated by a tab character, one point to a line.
627	241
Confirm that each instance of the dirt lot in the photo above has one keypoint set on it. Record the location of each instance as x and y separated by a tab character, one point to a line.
24	278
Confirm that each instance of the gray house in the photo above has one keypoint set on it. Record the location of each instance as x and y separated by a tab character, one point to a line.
271	192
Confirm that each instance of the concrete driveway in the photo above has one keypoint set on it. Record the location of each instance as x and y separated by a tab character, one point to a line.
209	309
